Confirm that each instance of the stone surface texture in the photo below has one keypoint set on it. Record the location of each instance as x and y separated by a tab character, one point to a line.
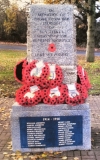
53	26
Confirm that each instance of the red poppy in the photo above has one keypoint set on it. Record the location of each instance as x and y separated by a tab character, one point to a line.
33	79
52	97
78	99
82	77
58	77
52	47
26	98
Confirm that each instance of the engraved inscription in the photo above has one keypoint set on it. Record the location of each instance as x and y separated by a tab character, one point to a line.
52	24
65	133
35	134
58	131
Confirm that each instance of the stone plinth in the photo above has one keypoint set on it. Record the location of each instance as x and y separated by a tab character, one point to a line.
45	127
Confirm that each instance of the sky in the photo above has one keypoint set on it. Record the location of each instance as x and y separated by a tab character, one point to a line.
98	4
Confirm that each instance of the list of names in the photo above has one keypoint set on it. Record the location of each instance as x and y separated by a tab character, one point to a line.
35	134
65	133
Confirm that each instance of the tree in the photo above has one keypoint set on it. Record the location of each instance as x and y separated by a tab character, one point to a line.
3	5
15	23
91	31
88	8
11	18
22	25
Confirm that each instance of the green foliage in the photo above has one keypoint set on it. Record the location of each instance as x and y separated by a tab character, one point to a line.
22	26
13	22
93	70
11	19
8	60
62	1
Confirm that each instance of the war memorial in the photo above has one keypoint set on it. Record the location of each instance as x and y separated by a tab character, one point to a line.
50	110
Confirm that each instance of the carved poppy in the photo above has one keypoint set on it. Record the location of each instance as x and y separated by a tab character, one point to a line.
52	47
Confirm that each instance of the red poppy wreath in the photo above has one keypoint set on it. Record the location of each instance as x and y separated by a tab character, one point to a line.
82	77
36	73
55	75
29	96
19	69
54	96
76	95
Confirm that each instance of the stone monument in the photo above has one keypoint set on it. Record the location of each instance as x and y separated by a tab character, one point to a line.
51	126
52	37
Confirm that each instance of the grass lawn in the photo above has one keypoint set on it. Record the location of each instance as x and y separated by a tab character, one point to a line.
93	70
8	60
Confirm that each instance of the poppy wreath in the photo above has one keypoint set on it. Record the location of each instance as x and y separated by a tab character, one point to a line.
58	77
79	98
82	77
51	97
25	63
19	69
41	80
25	97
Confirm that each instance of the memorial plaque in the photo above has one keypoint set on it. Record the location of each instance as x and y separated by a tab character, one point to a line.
41	132
46	127
52	34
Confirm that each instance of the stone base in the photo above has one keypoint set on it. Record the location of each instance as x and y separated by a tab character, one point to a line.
68	128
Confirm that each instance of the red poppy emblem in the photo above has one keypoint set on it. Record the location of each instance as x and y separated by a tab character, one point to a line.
51	47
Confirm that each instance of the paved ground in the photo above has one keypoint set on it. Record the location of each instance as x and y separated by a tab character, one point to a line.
6	152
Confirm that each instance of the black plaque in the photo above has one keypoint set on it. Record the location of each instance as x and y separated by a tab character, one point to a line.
41	132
